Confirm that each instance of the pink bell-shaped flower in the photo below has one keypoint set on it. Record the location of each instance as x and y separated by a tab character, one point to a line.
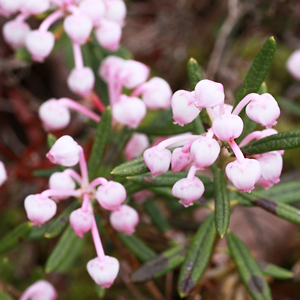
81	81
293	64
110	67
227	109
39	44
244	175
53	115
136	146
64	152
14	33
188	190
39	209
271	167
103	272
157	160
9	7
34	7
228	127
264	111
124	219
180	160
40	290
3	174
61	181
183	107
129	111
204	152
209	94
111	195
78	27
109	34
81	221
156	93
94	9
115	11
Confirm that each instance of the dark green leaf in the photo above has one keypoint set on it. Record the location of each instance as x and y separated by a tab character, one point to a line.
263	89
51	139
44	172
197	257
194	72
198	126
291	107
222	204
160	265
275	271
134	167
16	236
248	269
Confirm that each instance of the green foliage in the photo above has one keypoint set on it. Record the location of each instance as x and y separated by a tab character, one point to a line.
134	167
194	72
275	271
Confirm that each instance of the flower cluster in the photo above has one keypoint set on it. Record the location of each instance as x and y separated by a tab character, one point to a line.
106	17
202	151
110	195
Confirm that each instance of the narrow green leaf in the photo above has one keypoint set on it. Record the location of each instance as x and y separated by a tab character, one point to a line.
56	226
156	216
248	269
222	204
280	141
51	139
194	72
165	192
16	236
197	257
263	89
291	107
160	265
44	172
100	142
275	271
5	296
134	167
65	252
137	247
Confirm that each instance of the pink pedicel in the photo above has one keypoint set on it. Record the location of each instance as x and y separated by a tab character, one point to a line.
104	271
264	111
293	64
136	146
94	9
188	190
183	107
81	81
3	174
222	109
9	7
39	209
129	111
244	175
115	11
64	152
40	290
39	44
14	33
204	152
109	34
124	219
227	127
156	93
271	167
78	27
209	94
53	115
180	160
81	221
34	7
111	195
157	160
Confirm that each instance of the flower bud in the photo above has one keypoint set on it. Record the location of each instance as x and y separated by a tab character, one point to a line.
111	195
14	33
61	181
157	160
53	115
293	64
110	67
129	111
188	190
136	146
244	175
40	290
264	111
204	152
78	27
81	81
9	7
124	219
39	209
94	9
180	160
209	93
103	272
81	221
109	34
228	127
34	7
3	174
183	107
39	44
64	152
115	11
